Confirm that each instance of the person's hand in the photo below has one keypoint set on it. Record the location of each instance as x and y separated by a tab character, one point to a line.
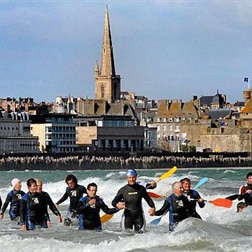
92	201
152	211
200	200
1	216
23	227
59	218
249	191
153	183
120	205
48	223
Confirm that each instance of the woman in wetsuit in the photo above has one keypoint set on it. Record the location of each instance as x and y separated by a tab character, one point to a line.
13	198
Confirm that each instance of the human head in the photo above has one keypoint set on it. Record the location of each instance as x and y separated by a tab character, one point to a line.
186	184
39	185
32	185
92	189
71	181
131	176
249	177
241	206
16	183
177	188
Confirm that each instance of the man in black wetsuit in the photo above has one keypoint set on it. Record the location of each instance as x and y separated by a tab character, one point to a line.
75	192
130	198
89	209
49	203
178	206
192	195
32	208
14	198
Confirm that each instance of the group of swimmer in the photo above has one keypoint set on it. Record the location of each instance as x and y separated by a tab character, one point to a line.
30	210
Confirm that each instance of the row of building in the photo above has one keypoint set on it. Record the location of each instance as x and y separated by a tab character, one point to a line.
136	124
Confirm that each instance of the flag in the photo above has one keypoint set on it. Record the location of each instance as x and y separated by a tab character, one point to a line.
246	79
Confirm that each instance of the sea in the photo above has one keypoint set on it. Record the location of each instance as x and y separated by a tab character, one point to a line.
221	229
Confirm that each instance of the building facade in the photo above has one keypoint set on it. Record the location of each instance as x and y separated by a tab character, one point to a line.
15	133
56	132
109	133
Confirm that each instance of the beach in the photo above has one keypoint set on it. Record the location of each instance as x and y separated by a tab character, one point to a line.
221	229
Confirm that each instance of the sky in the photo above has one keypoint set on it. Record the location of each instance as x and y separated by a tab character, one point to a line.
163	49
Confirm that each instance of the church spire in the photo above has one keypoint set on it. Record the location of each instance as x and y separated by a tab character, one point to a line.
107	83
107	56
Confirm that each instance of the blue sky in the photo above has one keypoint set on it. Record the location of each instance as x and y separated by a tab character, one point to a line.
163	49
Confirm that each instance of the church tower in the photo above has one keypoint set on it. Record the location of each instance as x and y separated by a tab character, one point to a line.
107	83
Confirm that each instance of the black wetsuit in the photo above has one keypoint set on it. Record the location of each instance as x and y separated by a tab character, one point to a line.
75	195
14	198
46	197
32	211
193	197
0	202
179	209
132	196
89	217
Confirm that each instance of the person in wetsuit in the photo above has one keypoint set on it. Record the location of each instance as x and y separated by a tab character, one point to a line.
245	191
177	204
46	197
75	192
193	196
13	198
89	209
32	208
129	198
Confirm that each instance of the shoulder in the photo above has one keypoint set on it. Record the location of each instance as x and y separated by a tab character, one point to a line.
10	194
169	198
45	194
99	199
139	187
194	192
83	199
242	189
124	188
81	188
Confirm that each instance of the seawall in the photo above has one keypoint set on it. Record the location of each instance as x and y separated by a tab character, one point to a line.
96	162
